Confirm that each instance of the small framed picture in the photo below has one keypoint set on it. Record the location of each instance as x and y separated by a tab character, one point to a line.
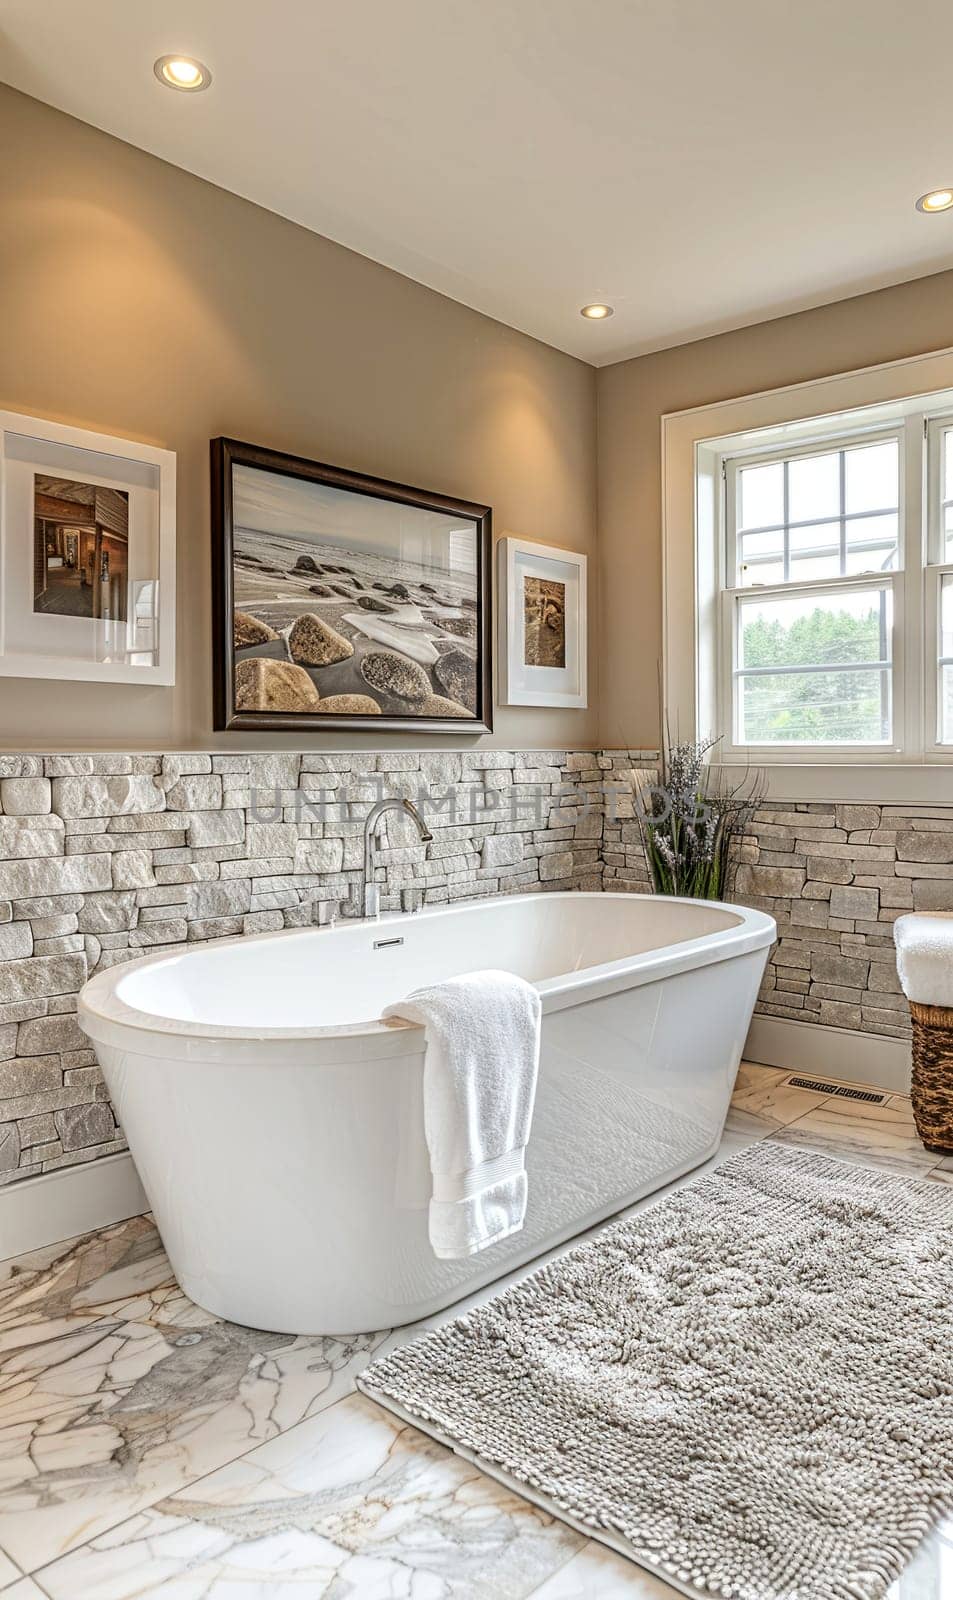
87	555
543	625
343	601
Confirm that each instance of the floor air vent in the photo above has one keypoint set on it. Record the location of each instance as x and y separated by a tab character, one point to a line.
869	1096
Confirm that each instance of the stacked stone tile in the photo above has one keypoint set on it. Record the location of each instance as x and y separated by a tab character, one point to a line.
107	857
836	877
626	774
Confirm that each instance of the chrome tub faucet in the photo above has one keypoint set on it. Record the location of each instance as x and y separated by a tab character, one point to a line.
371	895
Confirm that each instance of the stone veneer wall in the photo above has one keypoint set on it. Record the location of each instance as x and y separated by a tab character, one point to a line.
106	857
835	878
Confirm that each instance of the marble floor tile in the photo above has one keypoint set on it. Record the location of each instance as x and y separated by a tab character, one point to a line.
599	1574
929	1576
350	1503
115	1390
763	1101
148	1448
773	1106
871	1135
16	1266
943	1171
751	1076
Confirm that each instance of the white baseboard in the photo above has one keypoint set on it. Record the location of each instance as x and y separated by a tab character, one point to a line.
59	1205
840	1053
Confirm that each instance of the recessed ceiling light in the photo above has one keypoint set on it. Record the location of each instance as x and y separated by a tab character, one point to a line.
182	72
936	200
596	313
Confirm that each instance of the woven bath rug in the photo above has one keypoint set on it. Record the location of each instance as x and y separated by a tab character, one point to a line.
746	1388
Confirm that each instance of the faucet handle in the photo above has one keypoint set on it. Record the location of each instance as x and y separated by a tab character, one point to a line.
328	912
372	900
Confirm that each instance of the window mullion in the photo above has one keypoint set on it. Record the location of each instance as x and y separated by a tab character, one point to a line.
842	485
787	526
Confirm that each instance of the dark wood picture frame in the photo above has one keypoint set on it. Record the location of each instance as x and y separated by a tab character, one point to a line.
229	453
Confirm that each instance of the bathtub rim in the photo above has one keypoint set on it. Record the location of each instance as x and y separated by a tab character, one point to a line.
108	1020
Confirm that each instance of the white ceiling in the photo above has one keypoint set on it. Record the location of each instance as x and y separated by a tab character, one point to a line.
701	164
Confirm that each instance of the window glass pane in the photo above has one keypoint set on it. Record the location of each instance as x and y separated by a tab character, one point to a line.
761	496
815	552
818	538
946	705
813	487
760	574
948	532
815	708
805	568
948	464
946	617
761	558
872	480
815	630
755	545
872	543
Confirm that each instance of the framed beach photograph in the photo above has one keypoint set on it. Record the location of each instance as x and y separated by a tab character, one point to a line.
87	555
543	625
344	601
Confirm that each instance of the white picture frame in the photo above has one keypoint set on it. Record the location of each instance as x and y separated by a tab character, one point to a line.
543	625
90	598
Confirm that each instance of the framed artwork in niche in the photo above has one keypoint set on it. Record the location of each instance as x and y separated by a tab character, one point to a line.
344	601
543	625
87	555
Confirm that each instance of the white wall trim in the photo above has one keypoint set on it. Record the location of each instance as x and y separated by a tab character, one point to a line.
37	1212
918	385
844	1054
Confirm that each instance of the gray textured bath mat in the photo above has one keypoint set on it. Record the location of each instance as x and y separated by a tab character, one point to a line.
748	1387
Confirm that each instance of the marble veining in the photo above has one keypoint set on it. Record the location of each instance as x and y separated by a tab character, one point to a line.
116	1390
763	1100
149	1450
350	1503
874	1135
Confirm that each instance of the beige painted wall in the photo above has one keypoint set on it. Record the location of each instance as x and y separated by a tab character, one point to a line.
141	301
633	397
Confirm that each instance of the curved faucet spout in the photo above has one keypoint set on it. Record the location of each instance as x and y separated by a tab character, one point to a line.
371	894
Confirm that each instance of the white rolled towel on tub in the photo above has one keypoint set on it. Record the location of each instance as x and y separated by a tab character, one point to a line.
480	1069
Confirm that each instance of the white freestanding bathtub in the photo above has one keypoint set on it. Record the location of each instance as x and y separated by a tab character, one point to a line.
277	1121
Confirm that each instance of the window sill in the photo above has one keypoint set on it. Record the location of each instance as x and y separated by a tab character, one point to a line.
882	783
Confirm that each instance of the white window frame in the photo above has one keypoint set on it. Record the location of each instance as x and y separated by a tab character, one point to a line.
935	571
905	395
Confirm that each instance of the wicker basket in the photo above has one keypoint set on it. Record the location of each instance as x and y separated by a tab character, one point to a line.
931	1087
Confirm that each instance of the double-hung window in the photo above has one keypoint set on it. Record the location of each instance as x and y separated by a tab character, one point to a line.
814	551
834	632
